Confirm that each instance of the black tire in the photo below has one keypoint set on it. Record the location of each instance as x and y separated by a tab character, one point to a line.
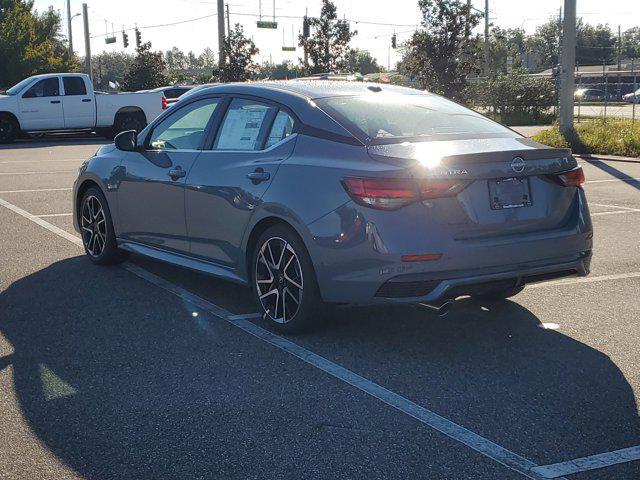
9	128
129	121
498	295
287	276
98	236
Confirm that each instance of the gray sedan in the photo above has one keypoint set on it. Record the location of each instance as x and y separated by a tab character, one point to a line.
318	193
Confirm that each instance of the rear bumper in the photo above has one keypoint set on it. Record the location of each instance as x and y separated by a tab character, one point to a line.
433	288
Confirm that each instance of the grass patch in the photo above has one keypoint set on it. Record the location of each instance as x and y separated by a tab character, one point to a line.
612	137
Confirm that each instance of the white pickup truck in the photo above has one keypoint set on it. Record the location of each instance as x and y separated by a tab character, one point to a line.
66	101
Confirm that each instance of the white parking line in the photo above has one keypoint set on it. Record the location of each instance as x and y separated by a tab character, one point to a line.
457	432
37	173
621	179
5	162
616	212
621	207
592	462
54	215
600	278
36	190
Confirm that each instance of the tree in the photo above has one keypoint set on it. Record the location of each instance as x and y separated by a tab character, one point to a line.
328	43
361	61
280	71
110	67
631	43
505	43
595	45
208	58
30	43
440	55
146	71
239	51
545	43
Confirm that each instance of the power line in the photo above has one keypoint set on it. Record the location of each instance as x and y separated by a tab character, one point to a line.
161	25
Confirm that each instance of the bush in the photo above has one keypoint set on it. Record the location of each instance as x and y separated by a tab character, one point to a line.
615	137
515	98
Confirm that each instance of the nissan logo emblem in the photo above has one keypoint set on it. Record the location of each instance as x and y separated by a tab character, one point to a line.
517	165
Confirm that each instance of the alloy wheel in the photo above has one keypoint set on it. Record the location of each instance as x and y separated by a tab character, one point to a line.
279	280
94	226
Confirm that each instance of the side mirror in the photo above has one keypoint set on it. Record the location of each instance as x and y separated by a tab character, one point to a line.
126	141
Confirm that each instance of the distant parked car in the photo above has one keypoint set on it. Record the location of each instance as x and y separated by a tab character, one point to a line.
67	102
172	94
589	95
633	97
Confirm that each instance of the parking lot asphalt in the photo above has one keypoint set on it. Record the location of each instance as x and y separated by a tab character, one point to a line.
152	371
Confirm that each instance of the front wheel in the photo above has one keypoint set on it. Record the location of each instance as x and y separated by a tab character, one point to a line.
284	282
9	128
96	228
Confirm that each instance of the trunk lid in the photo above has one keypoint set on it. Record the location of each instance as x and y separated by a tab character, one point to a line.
509	190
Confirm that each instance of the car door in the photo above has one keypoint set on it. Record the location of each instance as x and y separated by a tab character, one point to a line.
151	190
78	104
41	106
227	182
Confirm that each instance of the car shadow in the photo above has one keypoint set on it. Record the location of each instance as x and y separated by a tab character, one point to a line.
121	379
55	141
605	167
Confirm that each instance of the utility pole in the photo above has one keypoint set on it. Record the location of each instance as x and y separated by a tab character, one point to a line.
69	29
221	34
619	61
228	21
87	44
486	37
567	67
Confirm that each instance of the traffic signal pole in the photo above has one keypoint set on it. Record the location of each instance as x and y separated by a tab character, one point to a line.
567	67
69	29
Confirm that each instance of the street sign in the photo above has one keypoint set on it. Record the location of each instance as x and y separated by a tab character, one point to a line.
110	40
288	49
266	24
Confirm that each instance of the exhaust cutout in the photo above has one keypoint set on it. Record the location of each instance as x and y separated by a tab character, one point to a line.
442	310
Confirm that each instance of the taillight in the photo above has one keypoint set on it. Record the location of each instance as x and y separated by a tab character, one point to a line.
395	193
164	102
572	178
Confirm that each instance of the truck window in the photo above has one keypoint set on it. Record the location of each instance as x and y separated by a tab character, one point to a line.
49	87
74	86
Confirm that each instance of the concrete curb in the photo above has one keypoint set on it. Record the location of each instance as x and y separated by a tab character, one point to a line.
608	158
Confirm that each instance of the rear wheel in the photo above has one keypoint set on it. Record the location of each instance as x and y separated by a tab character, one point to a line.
96	228
284	282
129	121
9	128
498	295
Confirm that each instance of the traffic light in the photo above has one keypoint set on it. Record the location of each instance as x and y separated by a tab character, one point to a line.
394	42
125	39
305	27
138	38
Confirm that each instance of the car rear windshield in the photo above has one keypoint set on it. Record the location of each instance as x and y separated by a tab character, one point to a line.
392	118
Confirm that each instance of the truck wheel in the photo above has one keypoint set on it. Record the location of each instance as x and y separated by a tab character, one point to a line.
9	128
129	121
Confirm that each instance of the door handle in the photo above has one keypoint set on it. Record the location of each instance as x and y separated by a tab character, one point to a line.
86	100
55	101
176	173
259	175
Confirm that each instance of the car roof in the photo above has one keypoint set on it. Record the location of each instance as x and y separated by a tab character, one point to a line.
313	89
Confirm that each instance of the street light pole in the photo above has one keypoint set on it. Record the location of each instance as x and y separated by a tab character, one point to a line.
87	44
221	55
486	38
567	64
69	29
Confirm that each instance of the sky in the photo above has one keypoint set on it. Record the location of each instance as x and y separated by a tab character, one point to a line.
108	15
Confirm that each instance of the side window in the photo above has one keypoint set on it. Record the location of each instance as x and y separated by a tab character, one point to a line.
184	129
49	87
243	125
74	86
281	129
